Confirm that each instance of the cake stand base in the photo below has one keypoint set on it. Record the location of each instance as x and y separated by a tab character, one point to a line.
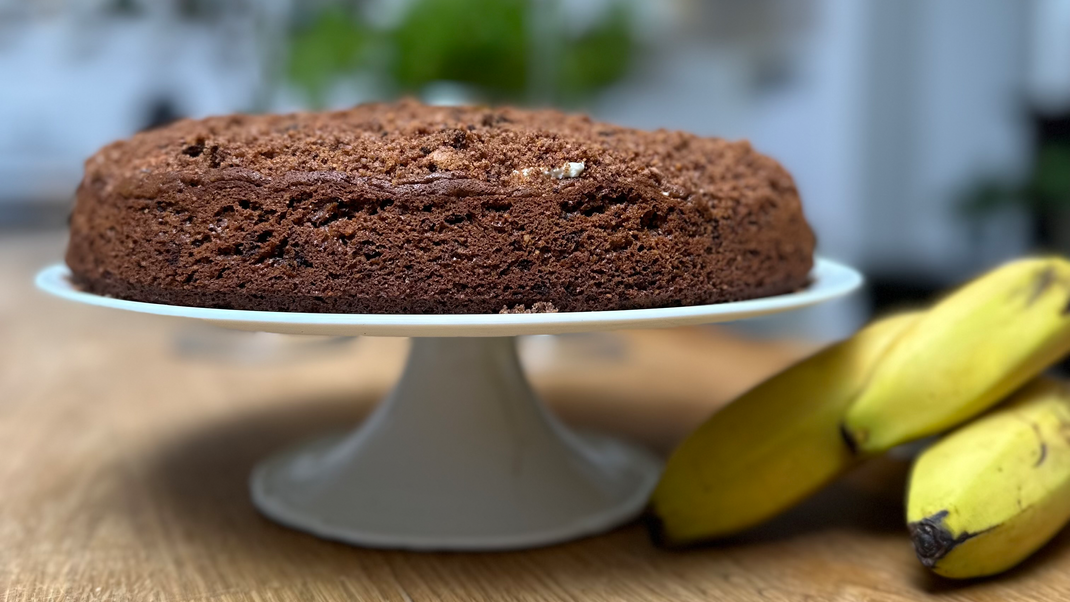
460	456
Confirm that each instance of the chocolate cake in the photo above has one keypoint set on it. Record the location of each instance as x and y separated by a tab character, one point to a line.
405	208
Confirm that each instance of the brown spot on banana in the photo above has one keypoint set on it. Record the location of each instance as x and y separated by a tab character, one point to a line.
660	537
656	528
1064	431
849	439
1043	454
932	540
1043	445
1043	281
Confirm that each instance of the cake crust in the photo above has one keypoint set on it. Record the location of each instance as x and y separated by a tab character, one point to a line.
404	208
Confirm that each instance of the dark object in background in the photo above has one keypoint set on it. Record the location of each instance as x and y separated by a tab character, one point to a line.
890	293
161	112
1044	192
1052	128
1052	133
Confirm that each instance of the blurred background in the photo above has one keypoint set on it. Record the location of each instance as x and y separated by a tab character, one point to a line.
929	138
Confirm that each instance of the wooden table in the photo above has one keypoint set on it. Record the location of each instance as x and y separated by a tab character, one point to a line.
125	443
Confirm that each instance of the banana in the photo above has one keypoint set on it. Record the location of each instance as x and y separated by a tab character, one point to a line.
992	492
771	447
965	354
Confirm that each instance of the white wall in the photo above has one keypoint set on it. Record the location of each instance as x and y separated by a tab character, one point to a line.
945	104
1049	55
74	81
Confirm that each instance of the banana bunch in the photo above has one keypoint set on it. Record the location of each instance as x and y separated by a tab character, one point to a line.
900	379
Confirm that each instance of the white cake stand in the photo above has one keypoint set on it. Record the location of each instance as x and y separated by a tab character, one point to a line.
461	455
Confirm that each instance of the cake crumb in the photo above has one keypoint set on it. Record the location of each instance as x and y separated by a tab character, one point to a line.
571	169
539	307
568	170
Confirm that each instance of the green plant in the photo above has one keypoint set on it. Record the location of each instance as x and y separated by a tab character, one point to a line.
332	45
479	42
487	44
598	58
1046	188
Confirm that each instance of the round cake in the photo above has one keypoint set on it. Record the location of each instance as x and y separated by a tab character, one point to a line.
406	208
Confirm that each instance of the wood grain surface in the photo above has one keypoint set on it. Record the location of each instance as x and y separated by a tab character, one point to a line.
126	442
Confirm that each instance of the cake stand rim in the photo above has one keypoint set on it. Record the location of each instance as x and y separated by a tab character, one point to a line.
829	280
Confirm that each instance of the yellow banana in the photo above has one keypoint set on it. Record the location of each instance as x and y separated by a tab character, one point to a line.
965	354
771	447
991	493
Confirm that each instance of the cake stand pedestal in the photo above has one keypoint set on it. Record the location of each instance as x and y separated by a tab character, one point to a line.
461	455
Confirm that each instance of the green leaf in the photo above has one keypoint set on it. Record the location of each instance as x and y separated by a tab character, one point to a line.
986	196
599	57
479	42
486	44
325	51
1051	177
